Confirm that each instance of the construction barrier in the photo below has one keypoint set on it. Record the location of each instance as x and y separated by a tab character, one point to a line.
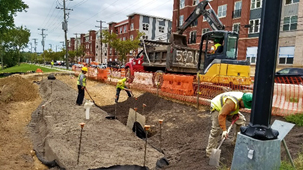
287	96
143	79
92	73
176	84
102	74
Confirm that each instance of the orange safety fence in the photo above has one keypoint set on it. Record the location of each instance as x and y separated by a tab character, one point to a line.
288	96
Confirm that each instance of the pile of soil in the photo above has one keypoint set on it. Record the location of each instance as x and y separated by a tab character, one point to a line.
19	97
16	89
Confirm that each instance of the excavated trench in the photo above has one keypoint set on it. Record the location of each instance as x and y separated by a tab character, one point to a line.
55	131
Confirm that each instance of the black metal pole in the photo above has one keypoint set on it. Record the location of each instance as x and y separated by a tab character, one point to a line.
258	127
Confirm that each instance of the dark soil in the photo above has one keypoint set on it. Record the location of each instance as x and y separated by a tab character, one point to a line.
185	131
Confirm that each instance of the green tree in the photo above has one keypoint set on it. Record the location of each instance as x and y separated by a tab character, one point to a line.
9	9
123	47
20	38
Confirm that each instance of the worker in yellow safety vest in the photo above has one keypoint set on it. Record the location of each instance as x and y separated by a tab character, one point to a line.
121	86
226	106
52	63
215	47
81	83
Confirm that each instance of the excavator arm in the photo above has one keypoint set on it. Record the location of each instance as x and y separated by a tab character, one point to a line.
209	14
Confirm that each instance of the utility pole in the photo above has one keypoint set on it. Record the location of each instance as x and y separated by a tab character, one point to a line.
31	46
42	42
64	27
101	37
51	46
62	42
35	42
56	48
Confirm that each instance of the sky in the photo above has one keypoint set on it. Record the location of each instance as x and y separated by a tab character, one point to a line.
42	14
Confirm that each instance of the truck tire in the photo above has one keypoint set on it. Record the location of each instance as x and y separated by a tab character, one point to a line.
158	78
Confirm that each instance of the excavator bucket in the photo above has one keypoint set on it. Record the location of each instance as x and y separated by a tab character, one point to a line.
178	39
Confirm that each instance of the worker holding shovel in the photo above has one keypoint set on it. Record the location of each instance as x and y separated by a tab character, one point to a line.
81	83
121	86
226	106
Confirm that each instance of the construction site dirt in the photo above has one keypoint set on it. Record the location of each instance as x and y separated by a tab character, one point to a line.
47	120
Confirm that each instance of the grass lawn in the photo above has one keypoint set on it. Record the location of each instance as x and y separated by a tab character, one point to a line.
25	68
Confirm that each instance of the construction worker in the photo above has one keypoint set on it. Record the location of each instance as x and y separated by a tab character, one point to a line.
121	86
81	83
226	106
52	64
214	48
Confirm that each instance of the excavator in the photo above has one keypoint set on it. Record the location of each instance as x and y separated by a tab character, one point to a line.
218	67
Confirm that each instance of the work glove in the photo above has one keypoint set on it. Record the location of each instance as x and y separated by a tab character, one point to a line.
225	134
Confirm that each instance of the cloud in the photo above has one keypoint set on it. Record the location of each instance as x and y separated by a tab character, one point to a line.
43	14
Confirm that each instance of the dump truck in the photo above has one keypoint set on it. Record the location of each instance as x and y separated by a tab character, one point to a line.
213	68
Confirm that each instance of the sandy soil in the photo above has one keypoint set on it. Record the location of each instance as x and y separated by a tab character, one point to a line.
184	130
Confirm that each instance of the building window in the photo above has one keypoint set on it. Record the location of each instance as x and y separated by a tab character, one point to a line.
236	27
291	1
205	30
110	51
195	2
182	4
144	37
195	23
96	54
290	23
256	4
237	9
161	29
192	37
124	38
132	26
181	20
204	19
120	30
254	26
222	10
131	37
251	54
145	26
286	55
125	29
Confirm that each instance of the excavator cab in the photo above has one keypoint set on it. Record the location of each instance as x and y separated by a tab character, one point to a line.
218	46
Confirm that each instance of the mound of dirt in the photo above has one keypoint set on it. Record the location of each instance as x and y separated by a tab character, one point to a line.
15	88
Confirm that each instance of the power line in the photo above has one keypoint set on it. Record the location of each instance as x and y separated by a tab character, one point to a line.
49	13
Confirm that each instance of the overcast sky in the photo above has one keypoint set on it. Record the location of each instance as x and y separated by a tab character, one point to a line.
43	14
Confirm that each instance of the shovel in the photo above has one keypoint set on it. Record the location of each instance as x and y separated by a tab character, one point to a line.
215	153
92	99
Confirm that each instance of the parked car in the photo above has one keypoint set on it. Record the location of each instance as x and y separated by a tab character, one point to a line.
289	76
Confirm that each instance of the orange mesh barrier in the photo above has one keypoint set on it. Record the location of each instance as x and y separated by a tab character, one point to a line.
288	96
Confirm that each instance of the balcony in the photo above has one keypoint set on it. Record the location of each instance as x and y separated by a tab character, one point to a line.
237	13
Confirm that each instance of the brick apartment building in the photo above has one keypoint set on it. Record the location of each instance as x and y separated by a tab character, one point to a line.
244	17
155	28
